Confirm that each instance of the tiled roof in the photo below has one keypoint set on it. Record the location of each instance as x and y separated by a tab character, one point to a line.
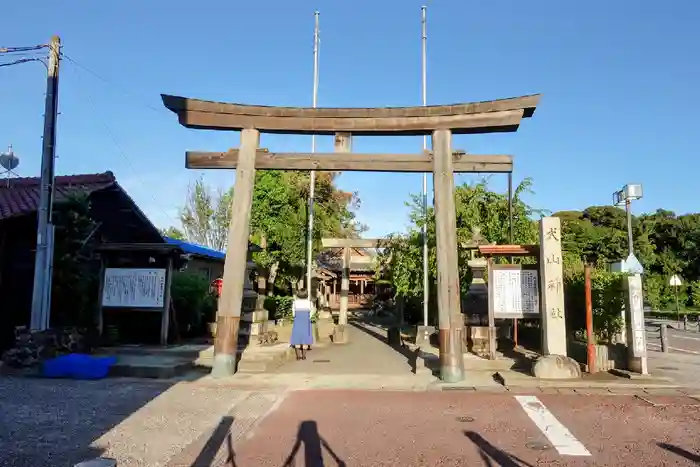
20	196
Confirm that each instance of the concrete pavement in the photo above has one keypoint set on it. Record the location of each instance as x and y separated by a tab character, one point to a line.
58	423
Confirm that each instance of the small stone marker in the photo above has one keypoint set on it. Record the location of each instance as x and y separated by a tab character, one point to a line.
552	288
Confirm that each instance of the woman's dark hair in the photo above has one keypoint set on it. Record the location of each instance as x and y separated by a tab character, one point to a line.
302	294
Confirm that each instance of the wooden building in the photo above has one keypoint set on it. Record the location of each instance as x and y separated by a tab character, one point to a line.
362	287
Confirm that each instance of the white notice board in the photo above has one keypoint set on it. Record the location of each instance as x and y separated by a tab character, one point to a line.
134	288
515	293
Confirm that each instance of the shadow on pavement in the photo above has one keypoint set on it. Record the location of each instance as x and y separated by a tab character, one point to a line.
221	434
680	452
411	355
493	456
56	422
314	445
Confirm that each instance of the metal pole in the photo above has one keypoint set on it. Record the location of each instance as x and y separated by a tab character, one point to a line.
628	207
312	183
590	347
40	306
510	241
426	288
510	209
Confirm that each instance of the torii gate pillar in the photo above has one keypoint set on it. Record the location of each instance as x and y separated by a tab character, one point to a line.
451	322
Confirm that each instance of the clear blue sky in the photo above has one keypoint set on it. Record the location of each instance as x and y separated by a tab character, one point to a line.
619	84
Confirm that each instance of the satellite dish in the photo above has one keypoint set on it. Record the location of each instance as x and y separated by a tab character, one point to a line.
8	160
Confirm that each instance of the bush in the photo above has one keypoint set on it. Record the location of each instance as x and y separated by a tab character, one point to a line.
662	297
194	302
279	306
608	297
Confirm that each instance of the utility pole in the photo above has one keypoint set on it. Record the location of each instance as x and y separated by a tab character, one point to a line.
312	183
426	288
41	305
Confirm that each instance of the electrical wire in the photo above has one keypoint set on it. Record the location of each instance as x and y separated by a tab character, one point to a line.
122	152
7	50
21	60
110	83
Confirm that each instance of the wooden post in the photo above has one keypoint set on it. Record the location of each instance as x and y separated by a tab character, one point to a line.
449	308
228	320
165	319
100	294
590	347
343	144
663	331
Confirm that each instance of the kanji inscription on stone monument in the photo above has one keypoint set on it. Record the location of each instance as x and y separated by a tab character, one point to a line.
552	274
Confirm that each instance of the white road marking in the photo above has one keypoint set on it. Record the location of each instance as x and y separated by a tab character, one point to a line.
676	349
561	438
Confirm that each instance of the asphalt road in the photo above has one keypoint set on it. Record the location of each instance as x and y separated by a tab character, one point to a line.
679	341
455	428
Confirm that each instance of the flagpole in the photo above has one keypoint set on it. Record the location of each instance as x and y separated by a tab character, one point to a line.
312	183
426	292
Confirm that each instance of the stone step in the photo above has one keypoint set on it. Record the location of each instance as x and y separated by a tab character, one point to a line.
269	355
431	361
142	366
180	351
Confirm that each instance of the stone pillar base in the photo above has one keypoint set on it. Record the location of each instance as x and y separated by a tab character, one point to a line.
340	334
325	314
638	365
423	334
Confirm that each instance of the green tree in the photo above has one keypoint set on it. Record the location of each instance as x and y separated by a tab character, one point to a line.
173	232
279	215
476	206
206	215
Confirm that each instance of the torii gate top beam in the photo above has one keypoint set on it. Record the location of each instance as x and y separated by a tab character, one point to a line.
503	115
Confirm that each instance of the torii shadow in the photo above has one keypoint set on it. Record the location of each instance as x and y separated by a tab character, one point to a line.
313	447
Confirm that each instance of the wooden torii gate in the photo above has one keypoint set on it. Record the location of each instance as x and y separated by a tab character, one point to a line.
440	121
339	334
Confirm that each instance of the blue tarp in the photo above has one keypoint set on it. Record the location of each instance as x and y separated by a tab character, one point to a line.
78	366
192	249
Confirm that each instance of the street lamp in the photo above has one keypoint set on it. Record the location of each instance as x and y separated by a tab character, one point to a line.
624	197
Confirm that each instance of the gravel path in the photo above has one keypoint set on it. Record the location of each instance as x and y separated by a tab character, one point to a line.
56	423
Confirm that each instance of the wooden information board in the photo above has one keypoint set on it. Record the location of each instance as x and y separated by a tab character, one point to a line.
514	291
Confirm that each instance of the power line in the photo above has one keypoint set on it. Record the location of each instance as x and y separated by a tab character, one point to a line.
122	152
7	50
110	83
21	60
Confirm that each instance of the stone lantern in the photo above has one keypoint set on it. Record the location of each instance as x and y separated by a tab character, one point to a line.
475	305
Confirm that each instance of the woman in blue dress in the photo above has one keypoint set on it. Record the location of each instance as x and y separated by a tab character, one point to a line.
301	330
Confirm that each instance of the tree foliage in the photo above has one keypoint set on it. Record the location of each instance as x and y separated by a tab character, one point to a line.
665	244
279	217
173	232
206	215
476	206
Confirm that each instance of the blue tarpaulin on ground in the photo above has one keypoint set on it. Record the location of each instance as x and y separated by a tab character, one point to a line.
78	366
